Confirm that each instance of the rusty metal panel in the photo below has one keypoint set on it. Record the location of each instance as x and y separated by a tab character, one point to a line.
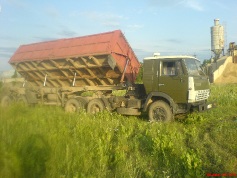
100	59
104	43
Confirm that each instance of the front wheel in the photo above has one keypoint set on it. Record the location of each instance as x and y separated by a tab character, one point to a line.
160	111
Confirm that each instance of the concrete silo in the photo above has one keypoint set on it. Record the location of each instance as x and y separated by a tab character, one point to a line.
217	39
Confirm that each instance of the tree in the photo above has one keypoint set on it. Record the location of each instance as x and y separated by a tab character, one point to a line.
15	74
140	74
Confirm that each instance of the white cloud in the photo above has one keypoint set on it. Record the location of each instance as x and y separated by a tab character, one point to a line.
104	18
135	26
164	3
17	3
111	23
194	4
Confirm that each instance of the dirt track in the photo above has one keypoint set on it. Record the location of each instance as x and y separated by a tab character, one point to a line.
229	75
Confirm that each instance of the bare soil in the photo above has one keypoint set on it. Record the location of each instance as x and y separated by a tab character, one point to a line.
229	75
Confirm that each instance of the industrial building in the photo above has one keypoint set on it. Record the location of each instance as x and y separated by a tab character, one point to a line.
223	66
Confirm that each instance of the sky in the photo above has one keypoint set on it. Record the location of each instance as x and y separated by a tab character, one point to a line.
170	27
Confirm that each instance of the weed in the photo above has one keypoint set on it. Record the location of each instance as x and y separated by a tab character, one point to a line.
47	142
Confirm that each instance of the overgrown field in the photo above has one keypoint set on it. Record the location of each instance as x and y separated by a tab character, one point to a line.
45	142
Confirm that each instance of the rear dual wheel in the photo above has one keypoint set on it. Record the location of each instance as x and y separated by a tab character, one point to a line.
22	100
95	106
75	104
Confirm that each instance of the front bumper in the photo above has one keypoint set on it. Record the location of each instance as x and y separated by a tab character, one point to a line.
205	106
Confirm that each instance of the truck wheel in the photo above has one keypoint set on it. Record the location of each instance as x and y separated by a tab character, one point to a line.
160	111
82	102
95	105
72	105
22	100
6	101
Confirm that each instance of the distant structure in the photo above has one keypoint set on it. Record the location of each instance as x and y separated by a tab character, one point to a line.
222	68
217	39
233	51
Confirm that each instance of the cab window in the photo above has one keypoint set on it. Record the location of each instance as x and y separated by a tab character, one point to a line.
168	68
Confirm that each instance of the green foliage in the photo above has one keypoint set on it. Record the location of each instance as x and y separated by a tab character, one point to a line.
15	75
205	62
140	74
1	86
45	141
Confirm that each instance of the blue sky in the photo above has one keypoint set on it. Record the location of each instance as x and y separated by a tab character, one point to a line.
167	26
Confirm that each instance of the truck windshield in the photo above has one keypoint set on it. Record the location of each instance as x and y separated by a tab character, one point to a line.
193	67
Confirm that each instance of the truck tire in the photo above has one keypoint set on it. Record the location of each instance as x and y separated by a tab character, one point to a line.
160	111
22	100
95	105
128	111
82	102
6	101
72	105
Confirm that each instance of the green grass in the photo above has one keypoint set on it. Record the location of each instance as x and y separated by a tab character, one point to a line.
47	142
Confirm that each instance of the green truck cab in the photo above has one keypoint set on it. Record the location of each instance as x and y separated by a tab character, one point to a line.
174	85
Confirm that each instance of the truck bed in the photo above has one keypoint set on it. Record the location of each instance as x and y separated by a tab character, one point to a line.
104	59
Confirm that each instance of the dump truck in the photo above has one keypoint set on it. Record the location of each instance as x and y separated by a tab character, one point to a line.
59	72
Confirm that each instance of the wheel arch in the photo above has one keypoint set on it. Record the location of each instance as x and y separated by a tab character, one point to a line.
154	96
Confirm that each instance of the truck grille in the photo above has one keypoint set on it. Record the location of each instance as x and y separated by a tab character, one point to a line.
202	95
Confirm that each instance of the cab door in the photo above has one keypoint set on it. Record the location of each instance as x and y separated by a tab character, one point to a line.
172	80
151	75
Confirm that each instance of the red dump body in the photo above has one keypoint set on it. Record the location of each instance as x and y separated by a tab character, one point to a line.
100	59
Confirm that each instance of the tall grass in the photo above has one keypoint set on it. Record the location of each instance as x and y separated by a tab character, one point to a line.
47	142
